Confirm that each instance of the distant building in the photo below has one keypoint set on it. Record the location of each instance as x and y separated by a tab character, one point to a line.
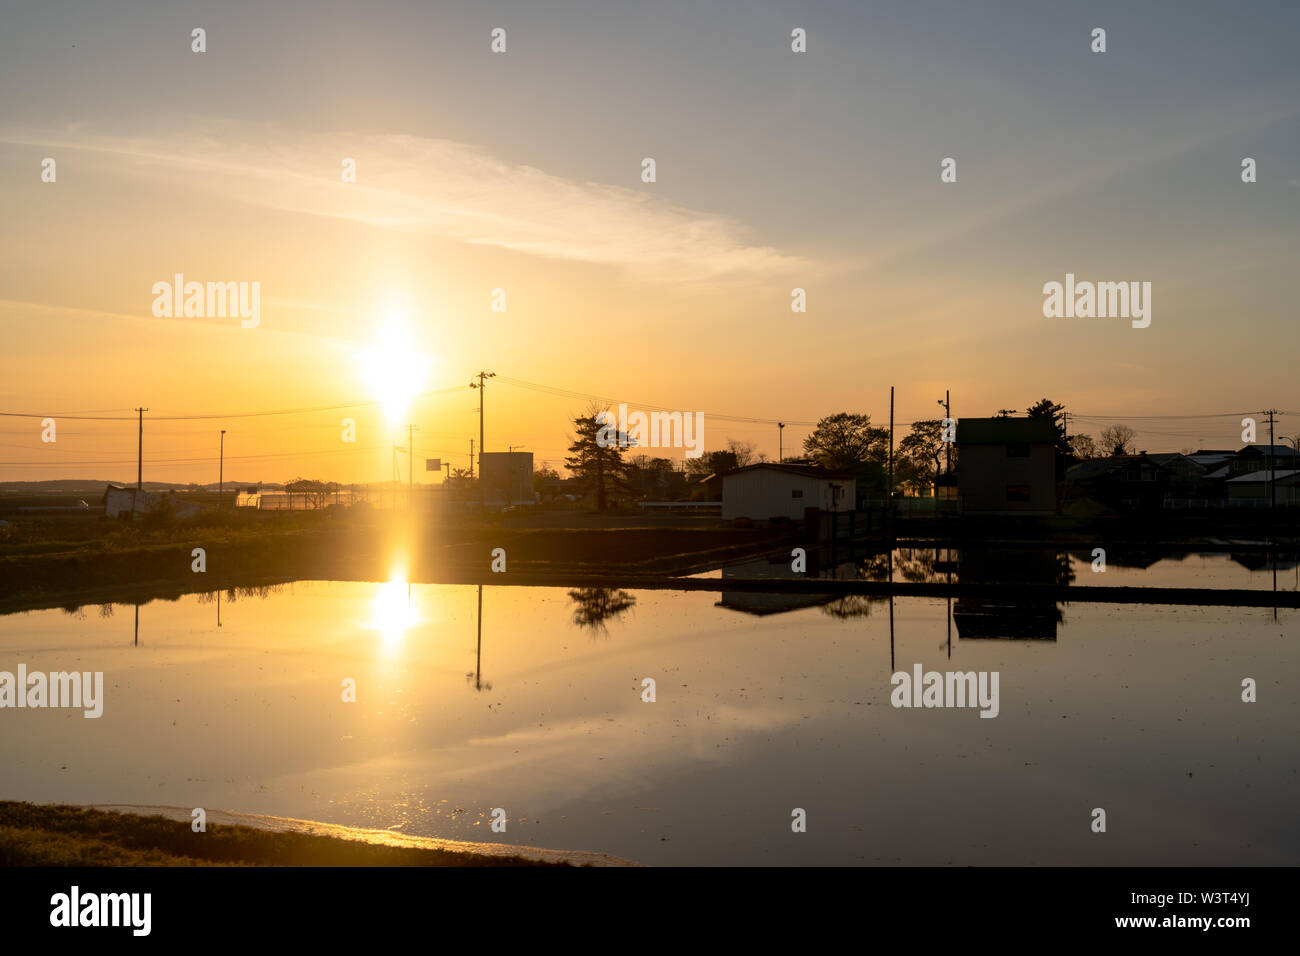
1257	458
767	490
1007	466
507	477
1256	484
119	501
1124	482
1211	458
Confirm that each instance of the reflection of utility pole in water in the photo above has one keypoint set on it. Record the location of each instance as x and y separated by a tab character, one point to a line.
218	607
1272	557
477	673
137	626
950	604
891	607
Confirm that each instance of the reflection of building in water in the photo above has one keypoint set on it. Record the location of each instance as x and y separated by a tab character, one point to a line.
1137	558
1024	616
778	568
1261	561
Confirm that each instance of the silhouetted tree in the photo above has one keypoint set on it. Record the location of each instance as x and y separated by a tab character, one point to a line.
1084	447
1050	411
596	458
847	440
923	445
1117	439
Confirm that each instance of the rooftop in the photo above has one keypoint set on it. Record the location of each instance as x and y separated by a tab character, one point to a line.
998	431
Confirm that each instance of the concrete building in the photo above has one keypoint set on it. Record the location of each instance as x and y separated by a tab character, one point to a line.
767	490
1007	466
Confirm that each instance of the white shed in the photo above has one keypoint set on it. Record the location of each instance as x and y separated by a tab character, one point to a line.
767	490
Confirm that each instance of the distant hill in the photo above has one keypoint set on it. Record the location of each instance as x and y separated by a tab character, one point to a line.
96	486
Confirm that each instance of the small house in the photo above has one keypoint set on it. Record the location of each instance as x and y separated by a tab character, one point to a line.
767	490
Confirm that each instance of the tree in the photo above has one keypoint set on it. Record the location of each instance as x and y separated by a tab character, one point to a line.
746	452
847	441
1117	439
544	475
596	458
656	478
1050	411
1084	447
924	444
712	463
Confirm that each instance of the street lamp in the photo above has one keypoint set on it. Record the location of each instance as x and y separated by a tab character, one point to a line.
780	447
947	446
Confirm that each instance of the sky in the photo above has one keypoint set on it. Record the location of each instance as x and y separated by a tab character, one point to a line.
522	171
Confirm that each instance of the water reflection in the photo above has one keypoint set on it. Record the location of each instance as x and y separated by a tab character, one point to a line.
595	606
476	675
392	613
1027	615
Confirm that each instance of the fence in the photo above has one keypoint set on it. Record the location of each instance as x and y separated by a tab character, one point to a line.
1287	501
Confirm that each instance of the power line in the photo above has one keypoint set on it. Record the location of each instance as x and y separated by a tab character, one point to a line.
207	460
206	417
570	393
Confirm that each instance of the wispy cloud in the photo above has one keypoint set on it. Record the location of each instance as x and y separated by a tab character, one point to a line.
444	189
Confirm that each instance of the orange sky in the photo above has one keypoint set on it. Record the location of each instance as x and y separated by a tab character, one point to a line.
478	172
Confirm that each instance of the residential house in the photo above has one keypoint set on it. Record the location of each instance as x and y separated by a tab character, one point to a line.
1008	466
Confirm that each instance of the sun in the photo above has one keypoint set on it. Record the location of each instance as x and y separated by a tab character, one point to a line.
394	371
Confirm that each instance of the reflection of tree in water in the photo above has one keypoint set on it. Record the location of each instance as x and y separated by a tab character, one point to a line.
597	605
872	568
852	605
915	565
260	591
106	610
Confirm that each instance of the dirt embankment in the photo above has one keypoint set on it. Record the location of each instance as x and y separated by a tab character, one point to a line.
86	570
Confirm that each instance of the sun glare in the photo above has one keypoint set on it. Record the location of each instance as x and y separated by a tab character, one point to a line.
391	612
393	370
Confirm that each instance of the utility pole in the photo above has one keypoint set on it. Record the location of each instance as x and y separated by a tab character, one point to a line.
889	492
471	458
221	469
947	447
1272	486
397	475
780	439
482	388
139	459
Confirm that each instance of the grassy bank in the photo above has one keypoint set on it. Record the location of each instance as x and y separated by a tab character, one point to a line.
95	558
36	835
